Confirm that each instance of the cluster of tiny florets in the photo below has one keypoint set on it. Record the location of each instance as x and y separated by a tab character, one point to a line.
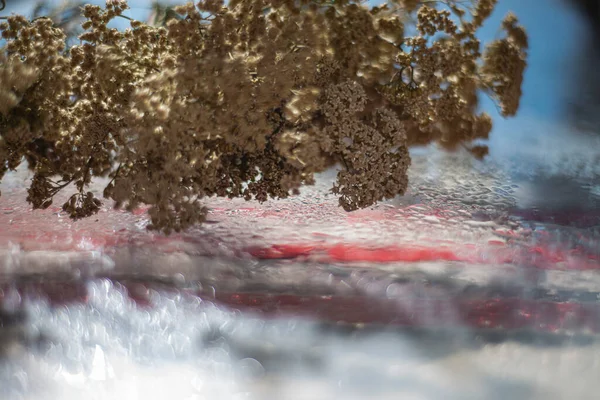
432	21
246	100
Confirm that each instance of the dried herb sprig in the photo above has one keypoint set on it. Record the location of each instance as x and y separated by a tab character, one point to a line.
247	100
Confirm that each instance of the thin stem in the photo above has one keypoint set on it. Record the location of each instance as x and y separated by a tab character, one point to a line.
58	187
116	174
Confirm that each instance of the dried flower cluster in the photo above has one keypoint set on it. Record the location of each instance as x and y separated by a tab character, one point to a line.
248	100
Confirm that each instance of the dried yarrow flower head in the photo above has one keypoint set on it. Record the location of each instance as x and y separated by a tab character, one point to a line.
248	99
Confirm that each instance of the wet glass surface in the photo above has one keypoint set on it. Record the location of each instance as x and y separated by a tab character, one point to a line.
483	281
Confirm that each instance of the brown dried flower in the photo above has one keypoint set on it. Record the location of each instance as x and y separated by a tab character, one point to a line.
246	100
